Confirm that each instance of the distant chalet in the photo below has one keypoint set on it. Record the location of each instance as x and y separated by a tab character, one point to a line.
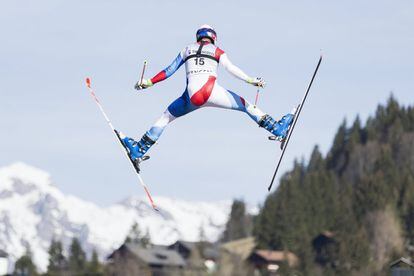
402	267
182	256
133	259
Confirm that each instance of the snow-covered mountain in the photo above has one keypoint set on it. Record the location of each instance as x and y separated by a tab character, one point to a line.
33	211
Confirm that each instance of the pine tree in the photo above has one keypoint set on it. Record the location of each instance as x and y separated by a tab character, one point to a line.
238	225
407	207
24	266
337	158
265	223
77	258
57	260
146	239
94	267
355	134
135	236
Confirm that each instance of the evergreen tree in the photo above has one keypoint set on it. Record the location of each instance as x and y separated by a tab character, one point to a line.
24	266
316	162
355	134
407	208
77	258
337	158
146	239
202	234
238	225
94	267
135	236
57	260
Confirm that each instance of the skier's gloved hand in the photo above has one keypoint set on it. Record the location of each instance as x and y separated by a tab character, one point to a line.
145	83
257	82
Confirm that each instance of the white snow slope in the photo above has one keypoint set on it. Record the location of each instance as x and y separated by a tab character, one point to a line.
33	211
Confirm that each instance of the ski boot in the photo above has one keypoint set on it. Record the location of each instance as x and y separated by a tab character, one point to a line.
279	129
136	150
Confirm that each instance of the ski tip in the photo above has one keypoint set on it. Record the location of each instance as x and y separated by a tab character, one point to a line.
88	82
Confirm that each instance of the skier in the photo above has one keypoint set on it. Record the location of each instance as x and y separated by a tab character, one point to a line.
201	60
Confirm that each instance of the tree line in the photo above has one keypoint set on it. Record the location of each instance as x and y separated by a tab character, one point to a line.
75	263
361	192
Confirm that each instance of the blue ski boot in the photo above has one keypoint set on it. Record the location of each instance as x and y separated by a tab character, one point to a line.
136	149
280	129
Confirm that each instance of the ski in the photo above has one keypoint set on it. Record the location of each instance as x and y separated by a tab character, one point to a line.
284	143
134	163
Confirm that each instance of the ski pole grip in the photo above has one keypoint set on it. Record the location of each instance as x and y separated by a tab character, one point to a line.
143	71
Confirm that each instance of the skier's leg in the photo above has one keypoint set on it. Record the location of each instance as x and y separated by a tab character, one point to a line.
178	108
157	129
226	99
222	98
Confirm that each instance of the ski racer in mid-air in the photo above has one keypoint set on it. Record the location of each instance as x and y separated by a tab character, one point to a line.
201	60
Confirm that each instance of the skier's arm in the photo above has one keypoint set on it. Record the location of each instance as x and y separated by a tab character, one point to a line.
238	73
170	70
164	74
233	69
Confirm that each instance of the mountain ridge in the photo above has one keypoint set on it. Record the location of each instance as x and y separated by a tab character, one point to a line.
33	211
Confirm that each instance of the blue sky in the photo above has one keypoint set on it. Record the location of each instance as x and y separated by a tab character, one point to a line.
48	119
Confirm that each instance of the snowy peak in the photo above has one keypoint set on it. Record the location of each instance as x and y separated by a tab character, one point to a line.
21	177
33	211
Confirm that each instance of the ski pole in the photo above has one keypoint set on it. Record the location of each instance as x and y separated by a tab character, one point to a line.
257	96
143	71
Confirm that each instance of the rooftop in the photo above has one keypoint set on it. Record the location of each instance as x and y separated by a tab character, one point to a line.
277	256
404	261
3	254
156	255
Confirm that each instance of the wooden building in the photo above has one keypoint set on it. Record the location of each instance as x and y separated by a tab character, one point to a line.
234	255
269	262
199	256
132	259
326	249
402	267
239	257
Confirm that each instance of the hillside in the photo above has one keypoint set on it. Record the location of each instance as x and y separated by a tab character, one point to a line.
360	196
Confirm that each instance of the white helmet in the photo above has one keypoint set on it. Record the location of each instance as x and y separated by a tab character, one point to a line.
206	31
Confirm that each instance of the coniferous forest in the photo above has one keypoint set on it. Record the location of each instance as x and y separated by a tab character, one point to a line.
359	198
